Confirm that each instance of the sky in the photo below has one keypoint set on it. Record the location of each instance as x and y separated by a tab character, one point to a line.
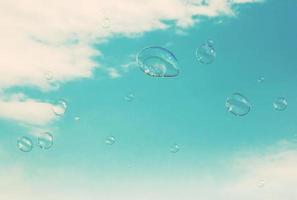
89	48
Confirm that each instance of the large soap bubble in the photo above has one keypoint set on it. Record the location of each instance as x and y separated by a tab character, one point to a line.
238	105
157	62
206	53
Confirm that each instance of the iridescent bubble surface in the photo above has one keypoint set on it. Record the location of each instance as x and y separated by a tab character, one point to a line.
24	144
238	105
158	62
280	104
60	107
206	53
45	140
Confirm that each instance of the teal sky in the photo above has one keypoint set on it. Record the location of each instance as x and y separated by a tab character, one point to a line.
189	110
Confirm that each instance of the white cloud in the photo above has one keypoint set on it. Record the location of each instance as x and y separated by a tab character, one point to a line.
39	36
22	109
277	168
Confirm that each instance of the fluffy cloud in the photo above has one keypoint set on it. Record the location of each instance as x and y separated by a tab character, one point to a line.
56	36
25	110
267	176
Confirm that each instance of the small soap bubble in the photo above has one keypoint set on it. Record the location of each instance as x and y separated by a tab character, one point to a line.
129	97
158	62
77	119
110	140
261	79
24	144
261	184
106	23
175	148
206	53
45	140
60	107
280	104
238	105
49	75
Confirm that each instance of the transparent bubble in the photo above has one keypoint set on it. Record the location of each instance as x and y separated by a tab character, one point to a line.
130	97
110	140
280	104
261	79
175	148
238	104
158	62
261	184
206	53
106	23
60	107
24	144
77	119
49	75
45	140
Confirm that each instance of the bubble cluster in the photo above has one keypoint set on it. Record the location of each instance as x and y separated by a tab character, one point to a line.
206	53
158	62
238	105
110	140
60	107
45	140
175	148
280	104
24	144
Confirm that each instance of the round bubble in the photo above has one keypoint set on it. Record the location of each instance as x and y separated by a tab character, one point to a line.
158	62
49	75
280	104
238	105
129	97
110	140
261	184
206	53
175	148
60	107
77	119
106	23
261	79
24	144
45	140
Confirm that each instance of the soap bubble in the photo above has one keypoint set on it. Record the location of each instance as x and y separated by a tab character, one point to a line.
49	75
129	97
238	104
77	119
280	104
261	184
110	140
261	79
45	140
157	62
24	144
206	53
60	107
106	23
175	148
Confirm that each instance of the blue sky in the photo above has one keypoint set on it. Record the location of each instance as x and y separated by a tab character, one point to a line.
90	49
